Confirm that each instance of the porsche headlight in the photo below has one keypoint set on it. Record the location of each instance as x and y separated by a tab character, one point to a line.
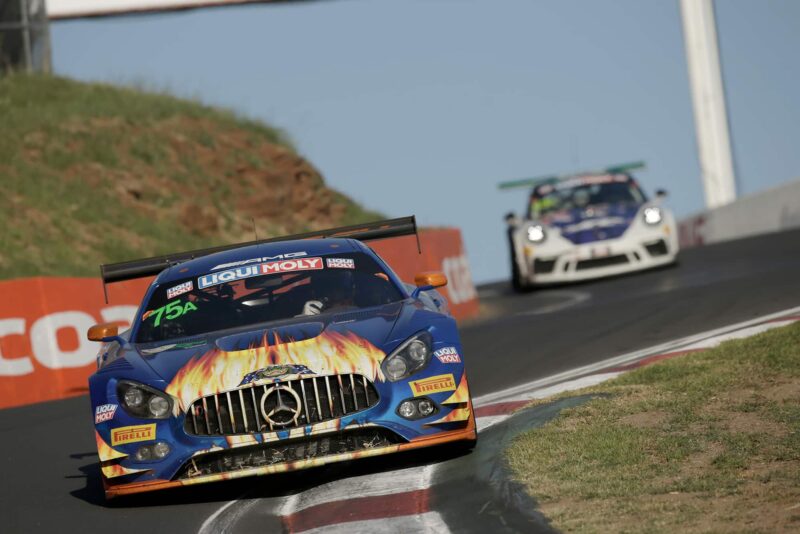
411	356
536	233
652	215
143	401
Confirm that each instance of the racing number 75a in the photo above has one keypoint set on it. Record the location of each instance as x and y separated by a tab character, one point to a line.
171	311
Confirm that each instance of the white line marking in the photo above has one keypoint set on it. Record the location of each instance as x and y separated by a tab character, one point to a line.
575	298
671	346
218	524
289	505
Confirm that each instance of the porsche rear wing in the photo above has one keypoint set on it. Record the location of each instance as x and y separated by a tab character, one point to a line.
128	270
533	182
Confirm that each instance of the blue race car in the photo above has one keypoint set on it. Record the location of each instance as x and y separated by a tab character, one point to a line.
273	356
588	225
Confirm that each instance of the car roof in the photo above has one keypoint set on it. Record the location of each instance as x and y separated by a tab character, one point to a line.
268	251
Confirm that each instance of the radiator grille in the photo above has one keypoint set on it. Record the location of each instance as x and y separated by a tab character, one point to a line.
283	405
607	261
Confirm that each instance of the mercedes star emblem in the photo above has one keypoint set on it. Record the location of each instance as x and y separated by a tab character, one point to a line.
284	410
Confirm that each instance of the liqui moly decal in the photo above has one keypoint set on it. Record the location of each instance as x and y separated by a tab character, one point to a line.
287	266
180	289
104	412
248	271
239	273
340	263
286	256
448	355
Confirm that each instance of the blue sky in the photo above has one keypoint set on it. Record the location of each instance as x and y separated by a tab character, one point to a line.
422	106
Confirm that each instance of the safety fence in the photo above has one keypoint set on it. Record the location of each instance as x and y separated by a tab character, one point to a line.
44	352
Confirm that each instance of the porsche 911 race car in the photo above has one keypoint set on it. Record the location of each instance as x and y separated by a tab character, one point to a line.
273	356
588	225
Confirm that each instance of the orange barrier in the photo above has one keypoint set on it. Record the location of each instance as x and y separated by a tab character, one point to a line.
442	250
44	353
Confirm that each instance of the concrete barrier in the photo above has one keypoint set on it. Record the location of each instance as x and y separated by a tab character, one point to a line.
44	353
767	211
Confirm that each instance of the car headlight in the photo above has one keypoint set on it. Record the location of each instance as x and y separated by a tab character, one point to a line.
411	356
652	215
536	233
143	401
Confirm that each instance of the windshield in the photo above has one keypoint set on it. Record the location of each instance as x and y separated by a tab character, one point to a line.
262	292
548	199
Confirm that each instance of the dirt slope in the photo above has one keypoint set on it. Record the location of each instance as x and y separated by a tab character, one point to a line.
93	174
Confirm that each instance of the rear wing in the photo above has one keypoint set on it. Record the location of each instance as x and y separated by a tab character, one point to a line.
541	180
128	270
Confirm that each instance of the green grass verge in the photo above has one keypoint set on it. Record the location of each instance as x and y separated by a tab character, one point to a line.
92	173
708	442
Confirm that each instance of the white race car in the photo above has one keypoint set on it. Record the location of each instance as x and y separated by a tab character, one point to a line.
588	225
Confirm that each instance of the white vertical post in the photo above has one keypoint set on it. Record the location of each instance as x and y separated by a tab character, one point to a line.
708	99
26	35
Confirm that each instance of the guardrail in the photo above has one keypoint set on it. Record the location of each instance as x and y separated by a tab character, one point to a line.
768	211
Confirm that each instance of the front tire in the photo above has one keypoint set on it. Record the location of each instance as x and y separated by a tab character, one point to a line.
518	284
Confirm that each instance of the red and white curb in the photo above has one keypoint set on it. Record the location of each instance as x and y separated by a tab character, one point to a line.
398	501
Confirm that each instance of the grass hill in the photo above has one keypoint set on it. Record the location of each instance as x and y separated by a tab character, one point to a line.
92	173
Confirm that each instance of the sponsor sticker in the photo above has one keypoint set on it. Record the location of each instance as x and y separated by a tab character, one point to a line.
259	260
287	266
432	384
132	434
340	263
248	271
104	412
180	289
448	355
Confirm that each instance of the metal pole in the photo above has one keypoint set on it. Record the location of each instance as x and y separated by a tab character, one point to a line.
26	35
708	99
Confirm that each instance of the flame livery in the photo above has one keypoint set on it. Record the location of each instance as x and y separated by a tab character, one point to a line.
330	353
270	373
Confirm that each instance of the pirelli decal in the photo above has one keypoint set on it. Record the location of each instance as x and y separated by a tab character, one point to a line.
433	384
132	434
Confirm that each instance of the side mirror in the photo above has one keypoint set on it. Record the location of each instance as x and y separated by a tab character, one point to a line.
433	279
511	219
661	193
427	281
103	332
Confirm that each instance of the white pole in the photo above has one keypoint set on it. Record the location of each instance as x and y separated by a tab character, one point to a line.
708	99
26	35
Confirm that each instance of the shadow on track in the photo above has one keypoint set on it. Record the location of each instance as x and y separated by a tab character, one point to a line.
259	487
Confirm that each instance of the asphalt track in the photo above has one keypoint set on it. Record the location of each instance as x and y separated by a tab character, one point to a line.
50	462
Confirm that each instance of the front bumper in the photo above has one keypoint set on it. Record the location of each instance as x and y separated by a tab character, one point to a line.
560	261
468	433
201	459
